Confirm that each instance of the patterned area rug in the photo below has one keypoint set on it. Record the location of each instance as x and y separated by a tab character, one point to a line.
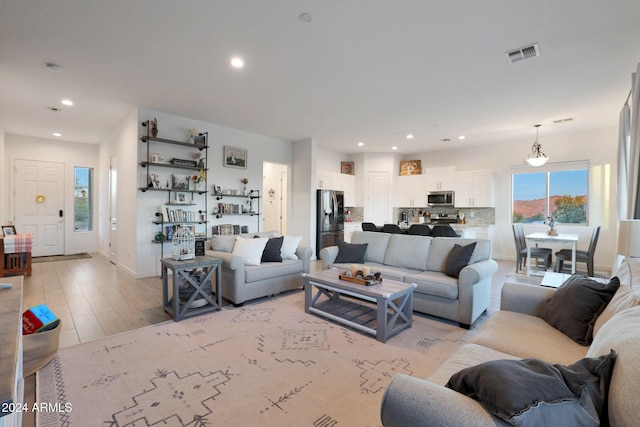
267	364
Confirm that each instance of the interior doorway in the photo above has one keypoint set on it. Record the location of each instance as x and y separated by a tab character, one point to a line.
275	201
376	206
39	204
113	209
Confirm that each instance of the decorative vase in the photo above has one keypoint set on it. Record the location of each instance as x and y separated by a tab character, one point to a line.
154	131
244	191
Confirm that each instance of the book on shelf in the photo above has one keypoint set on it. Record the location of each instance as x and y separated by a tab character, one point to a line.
229	208
170	230
181	215
229	229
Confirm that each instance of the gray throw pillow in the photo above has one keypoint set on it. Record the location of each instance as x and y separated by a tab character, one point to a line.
532	392
575	306
351	252
458	259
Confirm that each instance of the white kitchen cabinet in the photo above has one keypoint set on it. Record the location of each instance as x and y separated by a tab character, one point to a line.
324	181
474	189
412	191
440	179
338	181
350	228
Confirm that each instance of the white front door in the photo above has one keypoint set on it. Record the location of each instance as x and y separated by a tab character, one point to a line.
39	204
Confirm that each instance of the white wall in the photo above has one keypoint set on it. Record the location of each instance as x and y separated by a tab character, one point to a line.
304	192
260	149
4	175
70	154
329	160
121	142
598	147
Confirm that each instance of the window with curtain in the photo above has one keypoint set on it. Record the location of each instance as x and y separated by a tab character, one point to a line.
82	199
558	189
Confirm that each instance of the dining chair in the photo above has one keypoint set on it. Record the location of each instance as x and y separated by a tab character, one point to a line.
392	228
420	230
369	226
521	250
443	230
581	256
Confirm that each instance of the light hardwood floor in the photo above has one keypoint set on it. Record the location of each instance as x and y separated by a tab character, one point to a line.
94	298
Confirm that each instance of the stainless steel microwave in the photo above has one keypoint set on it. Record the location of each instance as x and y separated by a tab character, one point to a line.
440	198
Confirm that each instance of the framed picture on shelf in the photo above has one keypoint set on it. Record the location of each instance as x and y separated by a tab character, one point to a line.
181	198
347	168
235	157
180	182
9	230
410	167
217	189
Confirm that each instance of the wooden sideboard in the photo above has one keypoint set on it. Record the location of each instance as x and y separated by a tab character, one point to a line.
11	381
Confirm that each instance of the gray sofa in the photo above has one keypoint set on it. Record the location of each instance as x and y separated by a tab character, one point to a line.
420	260
242	282
518	332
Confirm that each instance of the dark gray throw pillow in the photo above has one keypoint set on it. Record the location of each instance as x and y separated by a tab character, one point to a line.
575	306
532	392
458	259
271	251
350	252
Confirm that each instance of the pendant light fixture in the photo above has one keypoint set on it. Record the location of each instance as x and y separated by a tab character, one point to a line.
537	157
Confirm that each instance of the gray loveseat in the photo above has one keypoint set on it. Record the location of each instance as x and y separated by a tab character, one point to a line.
242	282
518	332
420	260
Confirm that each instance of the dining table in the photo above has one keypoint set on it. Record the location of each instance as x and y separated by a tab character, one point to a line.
545	238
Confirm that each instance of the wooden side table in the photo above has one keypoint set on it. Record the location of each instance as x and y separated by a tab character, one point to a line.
189	272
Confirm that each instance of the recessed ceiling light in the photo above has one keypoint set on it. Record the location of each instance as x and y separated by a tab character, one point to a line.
394	148
237	62
360	144
57	134
67	102
461	137
410	136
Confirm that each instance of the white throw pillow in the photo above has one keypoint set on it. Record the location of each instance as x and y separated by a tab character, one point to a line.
289	246
223	243
250	249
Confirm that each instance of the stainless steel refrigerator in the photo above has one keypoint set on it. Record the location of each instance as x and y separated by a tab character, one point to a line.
330	219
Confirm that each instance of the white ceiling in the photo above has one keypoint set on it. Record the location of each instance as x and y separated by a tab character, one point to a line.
361	70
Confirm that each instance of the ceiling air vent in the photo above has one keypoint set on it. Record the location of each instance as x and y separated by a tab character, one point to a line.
54	109
523	53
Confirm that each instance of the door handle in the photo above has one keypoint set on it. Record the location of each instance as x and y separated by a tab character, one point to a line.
60	213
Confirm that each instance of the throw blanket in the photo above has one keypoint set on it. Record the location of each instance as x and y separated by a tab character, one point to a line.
17	243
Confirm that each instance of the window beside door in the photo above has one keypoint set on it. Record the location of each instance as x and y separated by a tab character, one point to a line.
82	199
558	190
